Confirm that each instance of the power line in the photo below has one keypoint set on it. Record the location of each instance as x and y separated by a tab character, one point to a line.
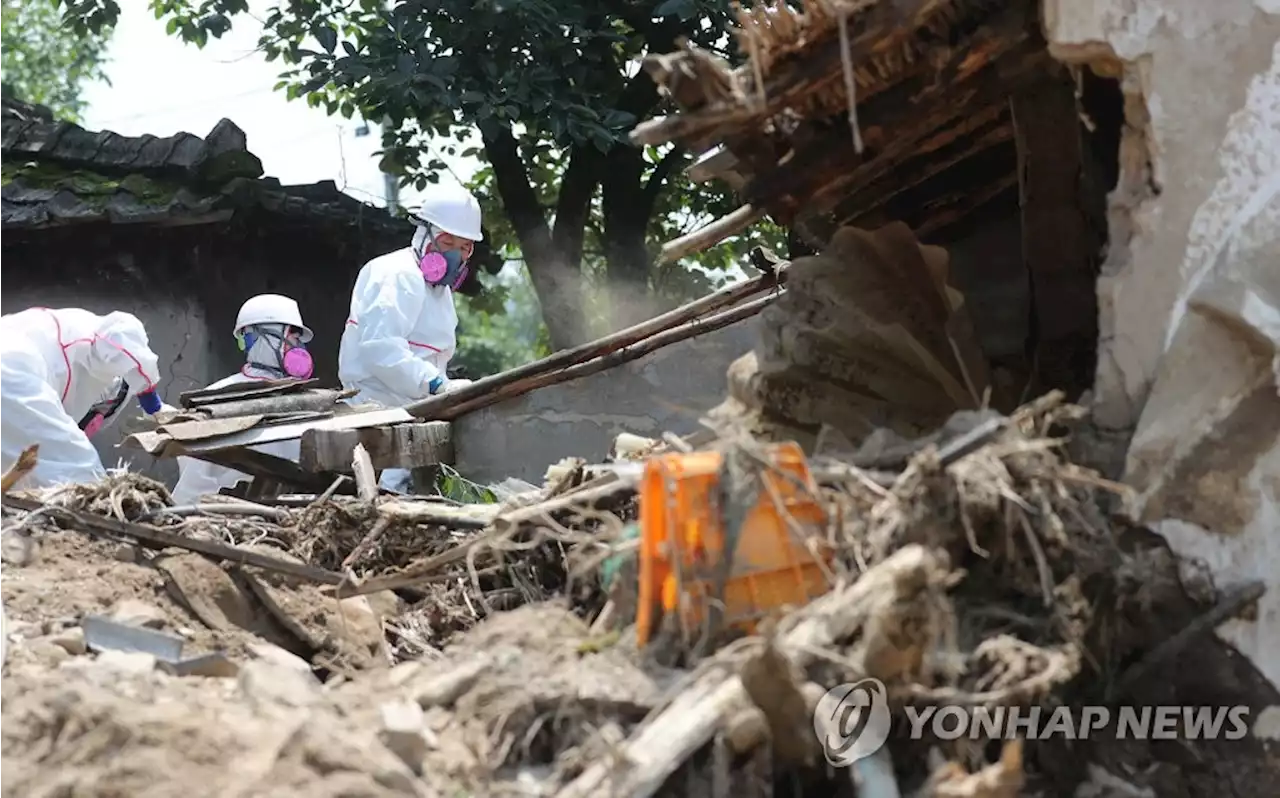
181	108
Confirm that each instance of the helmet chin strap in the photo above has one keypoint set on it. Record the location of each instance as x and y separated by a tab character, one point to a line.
422	234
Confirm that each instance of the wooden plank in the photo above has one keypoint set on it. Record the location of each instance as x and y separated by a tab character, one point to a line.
432	406
260	465
1063	232
399	446
451	406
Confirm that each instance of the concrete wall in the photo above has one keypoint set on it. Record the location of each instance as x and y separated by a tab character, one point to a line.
667	390
1189	356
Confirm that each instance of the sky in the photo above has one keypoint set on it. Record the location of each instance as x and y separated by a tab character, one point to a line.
161	85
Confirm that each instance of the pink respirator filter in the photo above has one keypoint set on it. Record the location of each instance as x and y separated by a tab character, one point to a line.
94	425
433	266
298	363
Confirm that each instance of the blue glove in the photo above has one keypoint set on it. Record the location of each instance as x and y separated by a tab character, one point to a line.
150	401
435	385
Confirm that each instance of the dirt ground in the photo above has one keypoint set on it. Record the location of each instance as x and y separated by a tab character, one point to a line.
430	693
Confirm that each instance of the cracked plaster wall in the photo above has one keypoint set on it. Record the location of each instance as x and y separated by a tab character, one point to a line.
178	334
1189	353
186	286
667	390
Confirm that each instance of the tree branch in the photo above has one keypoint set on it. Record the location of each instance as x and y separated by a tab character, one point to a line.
641	96
658	177
514	186
573	206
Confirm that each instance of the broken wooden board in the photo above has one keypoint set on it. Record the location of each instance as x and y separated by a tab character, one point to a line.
399	446
261	465
162	445
295	430
326	400
244	390
211	428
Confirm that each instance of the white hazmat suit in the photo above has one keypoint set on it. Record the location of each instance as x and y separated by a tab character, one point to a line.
56	365
198	478
401	331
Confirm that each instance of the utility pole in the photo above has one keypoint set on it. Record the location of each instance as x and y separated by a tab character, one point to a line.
391	191
390	185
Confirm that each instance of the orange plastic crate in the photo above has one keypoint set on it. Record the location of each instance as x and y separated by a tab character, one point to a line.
682	540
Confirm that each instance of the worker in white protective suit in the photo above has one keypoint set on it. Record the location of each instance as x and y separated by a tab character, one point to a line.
401	331
67	373
269	330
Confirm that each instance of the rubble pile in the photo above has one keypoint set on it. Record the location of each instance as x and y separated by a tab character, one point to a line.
323	645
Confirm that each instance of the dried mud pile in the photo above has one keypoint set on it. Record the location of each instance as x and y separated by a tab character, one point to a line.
975	567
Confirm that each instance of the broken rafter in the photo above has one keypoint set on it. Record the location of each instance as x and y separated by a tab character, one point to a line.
949	196
939	153
449	406
475	394
955	207
899	121
882	40
709	235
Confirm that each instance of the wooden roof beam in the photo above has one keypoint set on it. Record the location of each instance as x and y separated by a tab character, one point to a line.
908	179
947	212
895	123
886	37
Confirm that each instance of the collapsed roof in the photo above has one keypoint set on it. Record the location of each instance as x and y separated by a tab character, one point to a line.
932	140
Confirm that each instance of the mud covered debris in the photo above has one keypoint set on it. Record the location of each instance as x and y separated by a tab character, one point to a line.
976	567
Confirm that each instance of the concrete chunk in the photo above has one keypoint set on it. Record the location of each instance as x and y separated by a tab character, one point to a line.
405	732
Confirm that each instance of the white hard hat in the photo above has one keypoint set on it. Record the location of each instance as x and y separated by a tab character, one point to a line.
454	211
271	309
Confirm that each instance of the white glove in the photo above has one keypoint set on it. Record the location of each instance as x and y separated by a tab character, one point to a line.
455	384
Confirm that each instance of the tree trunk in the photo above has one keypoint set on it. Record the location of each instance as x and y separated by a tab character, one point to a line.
626	213
554	260
627	202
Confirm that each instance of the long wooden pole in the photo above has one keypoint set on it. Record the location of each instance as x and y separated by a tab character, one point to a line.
447	407
435	407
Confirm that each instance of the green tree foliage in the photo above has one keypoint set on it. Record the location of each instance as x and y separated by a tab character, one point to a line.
501	328
552	87
46	61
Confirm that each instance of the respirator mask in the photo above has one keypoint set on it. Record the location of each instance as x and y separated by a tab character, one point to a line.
104	409
291	356
439	268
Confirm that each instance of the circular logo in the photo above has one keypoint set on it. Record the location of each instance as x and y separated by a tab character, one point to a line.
852	721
